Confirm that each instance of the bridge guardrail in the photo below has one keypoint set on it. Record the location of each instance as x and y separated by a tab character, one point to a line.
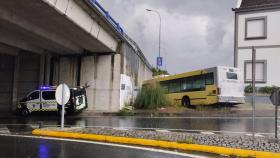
107	15
118	28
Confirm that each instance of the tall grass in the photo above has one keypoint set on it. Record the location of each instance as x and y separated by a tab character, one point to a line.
151	96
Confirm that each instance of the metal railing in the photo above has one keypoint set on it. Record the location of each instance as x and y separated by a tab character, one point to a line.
119	29
106	14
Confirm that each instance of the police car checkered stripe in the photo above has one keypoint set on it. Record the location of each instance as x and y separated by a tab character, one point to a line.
32	110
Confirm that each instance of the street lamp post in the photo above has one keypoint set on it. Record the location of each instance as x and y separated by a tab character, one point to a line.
159	36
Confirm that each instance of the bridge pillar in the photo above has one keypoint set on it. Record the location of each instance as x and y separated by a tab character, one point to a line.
101	75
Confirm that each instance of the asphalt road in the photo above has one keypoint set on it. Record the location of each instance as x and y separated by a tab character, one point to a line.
35	147
229	125
259	99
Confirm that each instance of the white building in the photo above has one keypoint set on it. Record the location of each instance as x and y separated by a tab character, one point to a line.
257	23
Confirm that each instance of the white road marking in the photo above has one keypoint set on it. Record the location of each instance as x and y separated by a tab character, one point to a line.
257	135
163	130
120	128
110	144
207	133
177	117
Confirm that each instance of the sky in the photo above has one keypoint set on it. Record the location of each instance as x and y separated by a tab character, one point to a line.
196	34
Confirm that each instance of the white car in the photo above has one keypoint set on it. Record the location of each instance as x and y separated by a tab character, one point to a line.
44	100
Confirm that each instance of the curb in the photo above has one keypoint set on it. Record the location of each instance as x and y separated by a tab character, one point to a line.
159	144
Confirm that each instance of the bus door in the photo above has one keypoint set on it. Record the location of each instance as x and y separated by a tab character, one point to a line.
48	101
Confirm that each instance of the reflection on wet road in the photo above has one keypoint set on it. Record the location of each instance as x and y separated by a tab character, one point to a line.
259	99
263	125
23	147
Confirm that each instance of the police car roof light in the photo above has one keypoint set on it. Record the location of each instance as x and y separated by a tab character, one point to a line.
45	87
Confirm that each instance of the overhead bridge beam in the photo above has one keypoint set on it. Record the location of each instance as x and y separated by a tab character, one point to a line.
55	42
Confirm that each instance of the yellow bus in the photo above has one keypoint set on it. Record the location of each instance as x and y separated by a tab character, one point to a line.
217	85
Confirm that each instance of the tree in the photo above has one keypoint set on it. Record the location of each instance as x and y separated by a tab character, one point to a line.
157	72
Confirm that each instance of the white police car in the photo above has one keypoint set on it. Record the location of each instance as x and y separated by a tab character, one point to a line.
44	100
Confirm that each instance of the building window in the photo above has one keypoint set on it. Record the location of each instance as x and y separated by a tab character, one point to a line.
256	28
261	71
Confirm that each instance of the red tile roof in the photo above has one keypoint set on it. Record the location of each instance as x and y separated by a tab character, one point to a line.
258	4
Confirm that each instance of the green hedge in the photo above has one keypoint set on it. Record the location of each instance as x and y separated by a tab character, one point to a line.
268	90
151	96
249	89
265	90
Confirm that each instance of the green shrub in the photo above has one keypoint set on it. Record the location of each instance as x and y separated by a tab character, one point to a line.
249	89
268	89
151	96
125	112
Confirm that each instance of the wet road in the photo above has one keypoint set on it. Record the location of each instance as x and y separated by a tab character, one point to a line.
27	147
259	99
234	124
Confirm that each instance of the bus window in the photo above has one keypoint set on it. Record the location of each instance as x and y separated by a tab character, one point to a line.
174	86
232	76
164	86
199	83
209	79
186	85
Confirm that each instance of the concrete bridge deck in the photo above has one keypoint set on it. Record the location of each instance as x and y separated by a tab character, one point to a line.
47	42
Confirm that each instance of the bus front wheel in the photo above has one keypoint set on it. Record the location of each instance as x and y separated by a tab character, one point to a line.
186	102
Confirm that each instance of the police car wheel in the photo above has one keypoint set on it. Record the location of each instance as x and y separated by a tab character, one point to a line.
24	112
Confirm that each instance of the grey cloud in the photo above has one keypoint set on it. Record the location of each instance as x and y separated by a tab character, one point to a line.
196	33
215	33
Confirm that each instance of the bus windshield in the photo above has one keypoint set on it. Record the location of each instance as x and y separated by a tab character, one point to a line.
232	76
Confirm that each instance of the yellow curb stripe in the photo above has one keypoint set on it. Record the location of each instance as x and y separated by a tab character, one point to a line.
157	143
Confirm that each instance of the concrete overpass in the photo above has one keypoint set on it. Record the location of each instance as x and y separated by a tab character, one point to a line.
47	42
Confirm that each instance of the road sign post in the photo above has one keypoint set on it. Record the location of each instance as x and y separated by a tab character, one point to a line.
275	99
276	122
254	88
62	96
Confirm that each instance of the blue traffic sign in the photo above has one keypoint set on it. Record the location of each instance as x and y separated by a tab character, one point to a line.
159	61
